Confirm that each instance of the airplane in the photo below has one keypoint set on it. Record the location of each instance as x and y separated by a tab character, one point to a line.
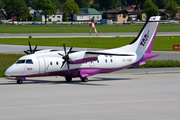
71	64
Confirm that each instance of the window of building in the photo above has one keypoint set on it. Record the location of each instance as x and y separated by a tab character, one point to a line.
119	15
58	16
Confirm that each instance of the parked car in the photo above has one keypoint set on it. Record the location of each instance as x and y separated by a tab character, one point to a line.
35	23
16	23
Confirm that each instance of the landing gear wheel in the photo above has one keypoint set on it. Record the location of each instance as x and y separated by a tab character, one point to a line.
84	79
19	81
68	79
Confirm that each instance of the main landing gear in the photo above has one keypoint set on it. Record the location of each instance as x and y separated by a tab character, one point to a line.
83	79
68	79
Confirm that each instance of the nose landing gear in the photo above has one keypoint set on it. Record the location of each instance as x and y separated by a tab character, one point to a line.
20	80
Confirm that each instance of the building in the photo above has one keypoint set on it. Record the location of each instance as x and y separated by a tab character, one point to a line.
123	15
117	15
3	17
54	18
88	14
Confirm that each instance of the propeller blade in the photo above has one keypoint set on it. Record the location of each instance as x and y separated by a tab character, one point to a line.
60	54
30	48
26	52
64	48
35	49
70	50
63	64
68	66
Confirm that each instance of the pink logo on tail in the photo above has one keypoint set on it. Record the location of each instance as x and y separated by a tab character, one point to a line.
145	39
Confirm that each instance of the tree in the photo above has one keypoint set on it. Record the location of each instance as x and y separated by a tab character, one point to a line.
47	7
57	3
161	3
1	4
17	8
95	6
64	16
150	8
139	16
172	8
71	7
124	15
82	3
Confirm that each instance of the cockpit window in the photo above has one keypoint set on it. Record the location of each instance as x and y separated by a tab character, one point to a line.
20	62
29	61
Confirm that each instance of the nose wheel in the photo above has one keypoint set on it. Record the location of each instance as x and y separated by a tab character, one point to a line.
19	81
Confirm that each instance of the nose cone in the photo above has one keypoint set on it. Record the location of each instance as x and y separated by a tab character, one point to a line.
8	72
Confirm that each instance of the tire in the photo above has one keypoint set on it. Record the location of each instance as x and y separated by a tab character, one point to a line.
19	81
68	79
85	79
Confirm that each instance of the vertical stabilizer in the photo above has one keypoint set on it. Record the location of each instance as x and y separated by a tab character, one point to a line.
145	40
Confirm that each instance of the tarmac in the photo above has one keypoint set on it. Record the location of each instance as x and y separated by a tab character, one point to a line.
138	94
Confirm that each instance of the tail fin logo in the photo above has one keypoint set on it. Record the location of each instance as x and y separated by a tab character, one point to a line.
145	39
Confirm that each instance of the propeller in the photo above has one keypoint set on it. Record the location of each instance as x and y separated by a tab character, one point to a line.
30	51
66	57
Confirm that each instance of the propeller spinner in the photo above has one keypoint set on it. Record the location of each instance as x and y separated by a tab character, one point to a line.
66	57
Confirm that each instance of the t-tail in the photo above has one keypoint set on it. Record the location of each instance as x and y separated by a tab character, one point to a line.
143	43
145	39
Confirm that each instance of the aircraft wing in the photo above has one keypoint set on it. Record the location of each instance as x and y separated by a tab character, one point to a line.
88	56
111	54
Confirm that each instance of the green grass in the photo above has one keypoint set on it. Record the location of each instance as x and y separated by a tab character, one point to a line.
162	43
82	28
6	61
159	64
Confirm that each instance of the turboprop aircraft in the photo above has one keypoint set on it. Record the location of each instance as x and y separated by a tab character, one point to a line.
84	64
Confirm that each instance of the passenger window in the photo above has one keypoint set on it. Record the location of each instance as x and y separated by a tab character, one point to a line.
106	60
50	63
57	63
29	61
97	61
111	60
20	62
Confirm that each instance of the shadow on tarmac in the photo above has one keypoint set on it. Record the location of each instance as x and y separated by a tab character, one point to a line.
12	81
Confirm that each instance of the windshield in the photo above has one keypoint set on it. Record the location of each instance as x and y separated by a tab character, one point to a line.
28	61
20	62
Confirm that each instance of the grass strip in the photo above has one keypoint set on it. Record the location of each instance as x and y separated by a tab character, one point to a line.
82	28
8	59
162	43
159	64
